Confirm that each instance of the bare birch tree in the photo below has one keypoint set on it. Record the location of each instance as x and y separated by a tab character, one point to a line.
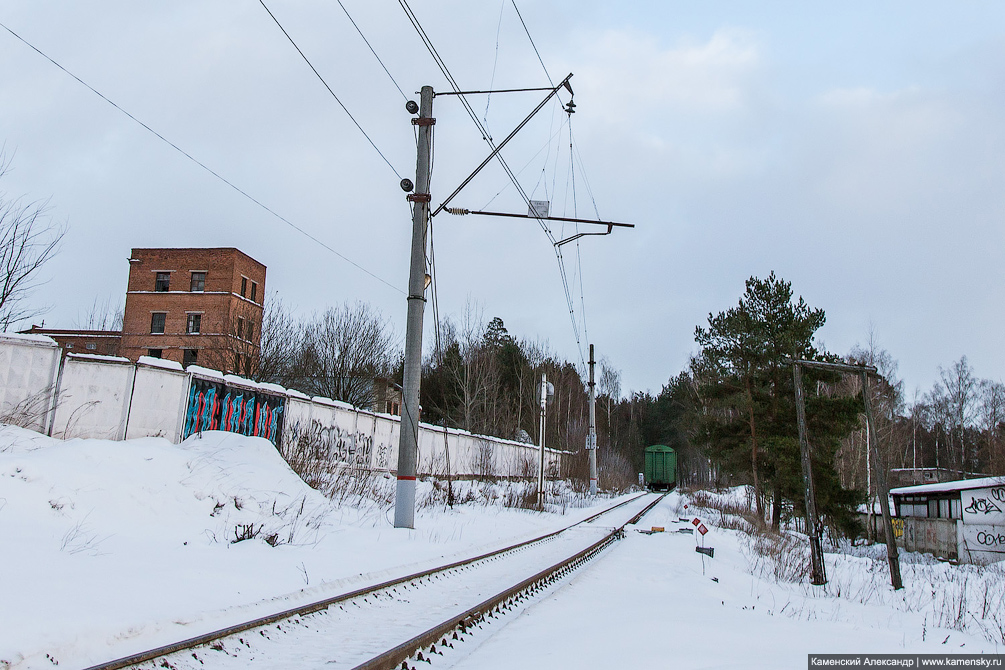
28	240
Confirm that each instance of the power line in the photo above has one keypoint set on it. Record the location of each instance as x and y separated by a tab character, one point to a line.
502	162
200	163
526	30
322	79
371	49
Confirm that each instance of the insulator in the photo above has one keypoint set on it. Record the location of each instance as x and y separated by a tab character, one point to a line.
457	211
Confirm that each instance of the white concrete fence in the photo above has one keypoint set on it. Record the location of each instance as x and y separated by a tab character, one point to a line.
112	398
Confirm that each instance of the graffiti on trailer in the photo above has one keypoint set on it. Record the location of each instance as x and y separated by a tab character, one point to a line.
335	444
998	494
979	505
216	406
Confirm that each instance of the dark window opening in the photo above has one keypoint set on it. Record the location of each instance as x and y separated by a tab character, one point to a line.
254	290
250	330
163	282
190	357
198	282
157	323
194	325
244	286
240	328
90	346
155	353
237	362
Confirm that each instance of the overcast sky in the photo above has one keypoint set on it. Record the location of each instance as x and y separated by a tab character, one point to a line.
856	149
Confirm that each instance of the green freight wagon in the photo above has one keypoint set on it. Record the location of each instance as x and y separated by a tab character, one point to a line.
661	467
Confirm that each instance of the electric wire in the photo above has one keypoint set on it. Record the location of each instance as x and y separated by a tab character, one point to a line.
495	63
427	42
369	46
322	79
526	30
205	167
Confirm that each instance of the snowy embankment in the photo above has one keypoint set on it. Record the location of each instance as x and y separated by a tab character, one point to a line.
651	601
111	548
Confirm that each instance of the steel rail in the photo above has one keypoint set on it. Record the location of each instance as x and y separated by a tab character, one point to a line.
319	605
399	655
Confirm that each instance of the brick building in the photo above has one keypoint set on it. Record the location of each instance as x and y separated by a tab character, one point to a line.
101	342
194	306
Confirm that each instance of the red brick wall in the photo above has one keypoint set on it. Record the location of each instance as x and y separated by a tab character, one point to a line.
219	303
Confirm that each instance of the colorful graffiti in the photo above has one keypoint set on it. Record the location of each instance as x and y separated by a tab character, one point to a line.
216	406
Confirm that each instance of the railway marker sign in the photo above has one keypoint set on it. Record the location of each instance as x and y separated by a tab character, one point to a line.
702	530
695	521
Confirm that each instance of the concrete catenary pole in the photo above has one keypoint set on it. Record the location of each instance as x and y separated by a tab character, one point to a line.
884	493
591	435
541	437
408	444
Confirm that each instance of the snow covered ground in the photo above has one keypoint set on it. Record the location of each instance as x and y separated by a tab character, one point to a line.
115	547
653	602
111	548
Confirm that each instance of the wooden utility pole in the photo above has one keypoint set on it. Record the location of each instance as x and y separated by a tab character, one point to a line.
818	574
882	489
873	455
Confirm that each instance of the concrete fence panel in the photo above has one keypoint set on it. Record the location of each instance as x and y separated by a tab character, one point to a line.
158	400
93	400
28	368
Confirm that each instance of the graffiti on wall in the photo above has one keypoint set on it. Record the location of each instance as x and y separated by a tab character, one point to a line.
338	445
216	406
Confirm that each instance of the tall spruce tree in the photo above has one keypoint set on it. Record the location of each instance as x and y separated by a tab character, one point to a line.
745	384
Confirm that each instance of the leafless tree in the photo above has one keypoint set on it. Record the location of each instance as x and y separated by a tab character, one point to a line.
991	417
28	239
281	354
101	316
346	348
954	400
609	385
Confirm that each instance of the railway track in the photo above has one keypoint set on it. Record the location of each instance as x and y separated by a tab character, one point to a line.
362	620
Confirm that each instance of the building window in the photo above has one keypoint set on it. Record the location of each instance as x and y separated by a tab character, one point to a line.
237	362
90	346
163	282
157	323
244	287
254	290
198	282
194	324
190	356
240	327
155	353
249	333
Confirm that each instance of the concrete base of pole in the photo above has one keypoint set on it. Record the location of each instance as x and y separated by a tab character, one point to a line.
404	508
593	487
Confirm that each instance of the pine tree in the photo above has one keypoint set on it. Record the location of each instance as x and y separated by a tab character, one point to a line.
745	384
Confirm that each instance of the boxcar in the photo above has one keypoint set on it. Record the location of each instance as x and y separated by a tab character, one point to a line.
660	467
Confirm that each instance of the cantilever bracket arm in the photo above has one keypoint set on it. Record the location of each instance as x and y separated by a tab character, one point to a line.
551	93
458	211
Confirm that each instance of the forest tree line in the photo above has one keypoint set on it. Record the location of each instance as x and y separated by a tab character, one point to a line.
730	415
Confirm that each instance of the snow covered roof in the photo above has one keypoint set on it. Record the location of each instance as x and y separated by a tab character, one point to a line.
25	337
162	363
946	487
99	357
